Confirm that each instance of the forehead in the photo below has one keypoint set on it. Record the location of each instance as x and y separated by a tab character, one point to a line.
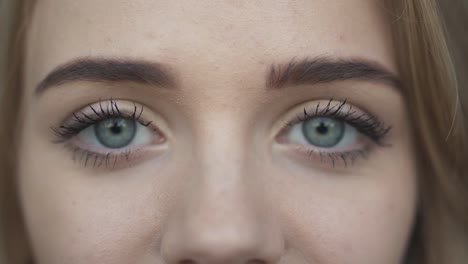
221	34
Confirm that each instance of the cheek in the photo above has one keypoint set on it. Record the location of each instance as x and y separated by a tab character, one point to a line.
359	228
365	217
74	215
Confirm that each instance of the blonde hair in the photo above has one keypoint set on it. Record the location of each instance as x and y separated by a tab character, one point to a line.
433	96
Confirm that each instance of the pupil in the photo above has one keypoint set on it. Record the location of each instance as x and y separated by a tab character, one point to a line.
116	129
322	129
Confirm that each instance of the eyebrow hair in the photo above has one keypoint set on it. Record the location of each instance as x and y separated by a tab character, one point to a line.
306	71
325	69
98	70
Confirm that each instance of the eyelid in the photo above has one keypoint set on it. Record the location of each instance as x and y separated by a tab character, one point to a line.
113	160
322	159
370	134
104	109
350	138
366	123
92	114
87	137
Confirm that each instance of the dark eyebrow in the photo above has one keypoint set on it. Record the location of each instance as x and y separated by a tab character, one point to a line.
325	69
98	69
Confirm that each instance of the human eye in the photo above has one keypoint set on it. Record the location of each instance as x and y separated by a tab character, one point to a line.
109	133
333	132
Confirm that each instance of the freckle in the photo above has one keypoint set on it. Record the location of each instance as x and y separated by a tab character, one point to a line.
150	35
341	38
108	40
347	247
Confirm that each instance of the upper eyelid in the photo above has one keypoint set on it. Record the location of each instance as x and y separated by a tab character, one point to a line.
93	114
364	122
327	111
361	118
111	109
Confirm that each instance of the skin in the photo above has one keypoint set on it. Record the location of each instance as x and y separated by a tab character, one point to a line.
221	187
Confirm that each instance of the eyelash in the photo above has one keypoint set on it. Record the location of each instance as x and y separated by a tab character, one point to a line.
368	125
365	124
81	121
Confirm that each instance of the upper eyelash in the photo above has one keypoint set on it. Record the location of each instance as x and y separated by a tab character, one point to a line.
366	124
79	123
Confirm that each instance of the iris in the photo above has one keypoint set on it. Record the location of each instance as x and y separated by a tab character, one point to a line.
115	132
323	132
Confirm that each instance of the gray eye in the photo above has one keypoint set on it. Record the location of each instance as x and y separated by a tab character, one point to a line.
115	132
323	132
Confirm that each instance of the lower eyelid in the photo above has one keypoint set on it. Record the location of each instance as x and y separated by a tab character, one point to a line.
157	144
316	157
114	159
362	143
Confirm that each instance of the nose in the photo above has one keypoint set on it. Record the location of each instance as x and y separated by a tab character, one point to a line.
222	217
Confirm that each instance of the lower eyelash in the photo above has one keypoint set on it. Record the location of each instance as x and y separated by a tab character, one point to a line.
334	158
346	158
97	160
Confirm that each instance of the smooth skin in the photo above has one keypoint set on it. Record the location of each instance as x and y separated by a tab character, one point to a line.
217	186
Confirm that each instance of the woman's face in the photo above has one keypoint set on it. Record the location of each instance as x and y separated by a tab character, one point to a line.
214	132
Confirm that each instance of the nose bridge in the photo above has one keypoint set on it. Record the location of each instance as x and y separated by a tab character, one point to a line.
221	147
222	217
223	201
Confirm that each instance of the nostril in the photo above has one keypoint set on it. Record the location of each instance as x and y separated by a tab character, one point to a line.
256	261
252	261
187	261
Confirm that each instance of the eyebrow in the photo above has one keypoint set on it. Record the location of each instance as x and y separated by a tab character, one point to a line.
306	71
325	69
110	70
